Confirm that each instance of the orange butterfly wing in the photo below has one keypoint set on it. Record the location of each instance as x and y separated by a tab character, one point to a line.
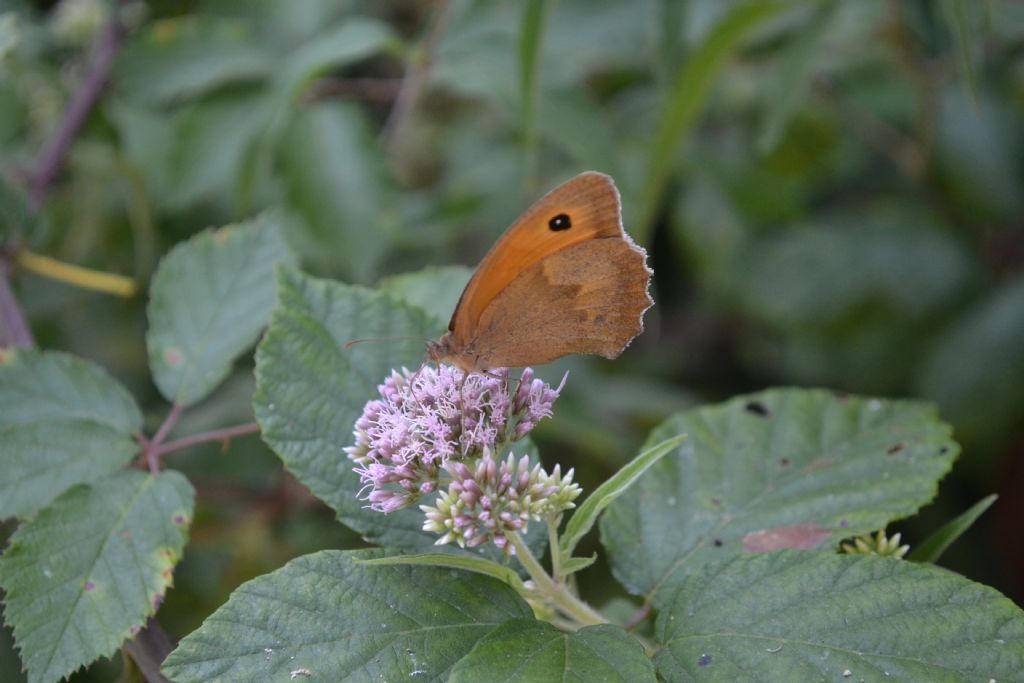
519	299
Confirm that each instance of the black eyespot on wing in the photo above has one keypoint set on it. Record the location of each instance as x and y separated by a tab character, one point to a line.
559	222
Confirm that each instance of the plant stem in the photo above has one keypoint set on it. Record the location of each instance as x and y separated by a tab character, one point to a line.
223	434
98	72
557	595
152	448
13	329
556	553
86	278
416	76
148	649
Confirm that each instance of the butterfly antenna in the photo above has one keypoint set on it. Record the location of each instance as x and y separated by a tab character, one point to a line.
350	344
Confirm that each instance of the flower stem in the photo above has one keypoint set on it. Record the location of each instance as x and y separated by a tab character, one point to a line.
556	553
557	595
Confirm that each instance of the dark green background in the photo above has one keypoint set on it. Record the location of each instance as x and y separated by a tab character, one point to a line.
842	205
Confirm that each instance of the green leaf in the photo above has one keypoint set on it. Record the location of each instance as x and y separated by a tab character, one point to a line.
932	548
975	370
10	663
209	299
962	16
63	421
795	616
212	147
585	517
88	570
526	650
794	464
575	564
349	42
687	98
187	56
434	289
335	620
531	34
310	389
336	182
797	66
16	216
477	565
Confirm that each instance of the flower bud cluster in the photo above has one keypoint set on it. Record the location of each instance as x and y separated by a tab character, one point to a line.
489	501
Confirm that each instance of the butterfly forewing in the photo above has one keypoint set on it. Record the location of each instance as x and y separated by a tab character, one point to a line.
582	208
564	278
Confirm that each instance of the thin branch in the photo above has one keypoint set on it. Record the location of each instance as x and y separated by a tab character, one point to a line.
368	89
415	78
52	158
151	449
638	617
148	649
223	435
77	276
14	330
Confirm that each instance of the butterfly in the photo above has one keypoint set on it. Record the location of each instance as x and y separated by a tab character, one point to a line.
565	278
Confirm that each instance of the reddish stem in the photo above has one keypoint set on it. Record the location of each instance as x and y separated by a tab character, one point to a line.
224	435
14	330
97	74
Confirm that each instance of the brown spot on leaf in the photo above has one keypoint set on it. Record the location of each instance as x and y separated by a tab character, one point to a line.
174	357
783	461
718	542
895	448
799	536
757	408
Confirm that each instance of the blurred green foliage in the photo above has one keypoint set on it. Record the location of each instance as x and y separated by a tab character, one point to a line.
832	194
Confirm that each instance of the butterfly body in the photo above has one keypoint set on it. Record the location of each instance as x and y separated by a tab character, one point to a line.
564	278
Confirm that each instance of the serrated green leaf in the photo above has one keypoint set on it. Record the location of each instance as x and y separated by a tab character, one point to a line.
209	299
477	565
932	548
782	459
794	616
434	289
88	570
687	98
10	663
63	421
310	389
527	650
585	517
336	620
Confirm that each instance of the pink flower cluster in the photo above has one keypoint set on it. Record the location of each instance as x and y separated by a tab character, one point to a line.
406	441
